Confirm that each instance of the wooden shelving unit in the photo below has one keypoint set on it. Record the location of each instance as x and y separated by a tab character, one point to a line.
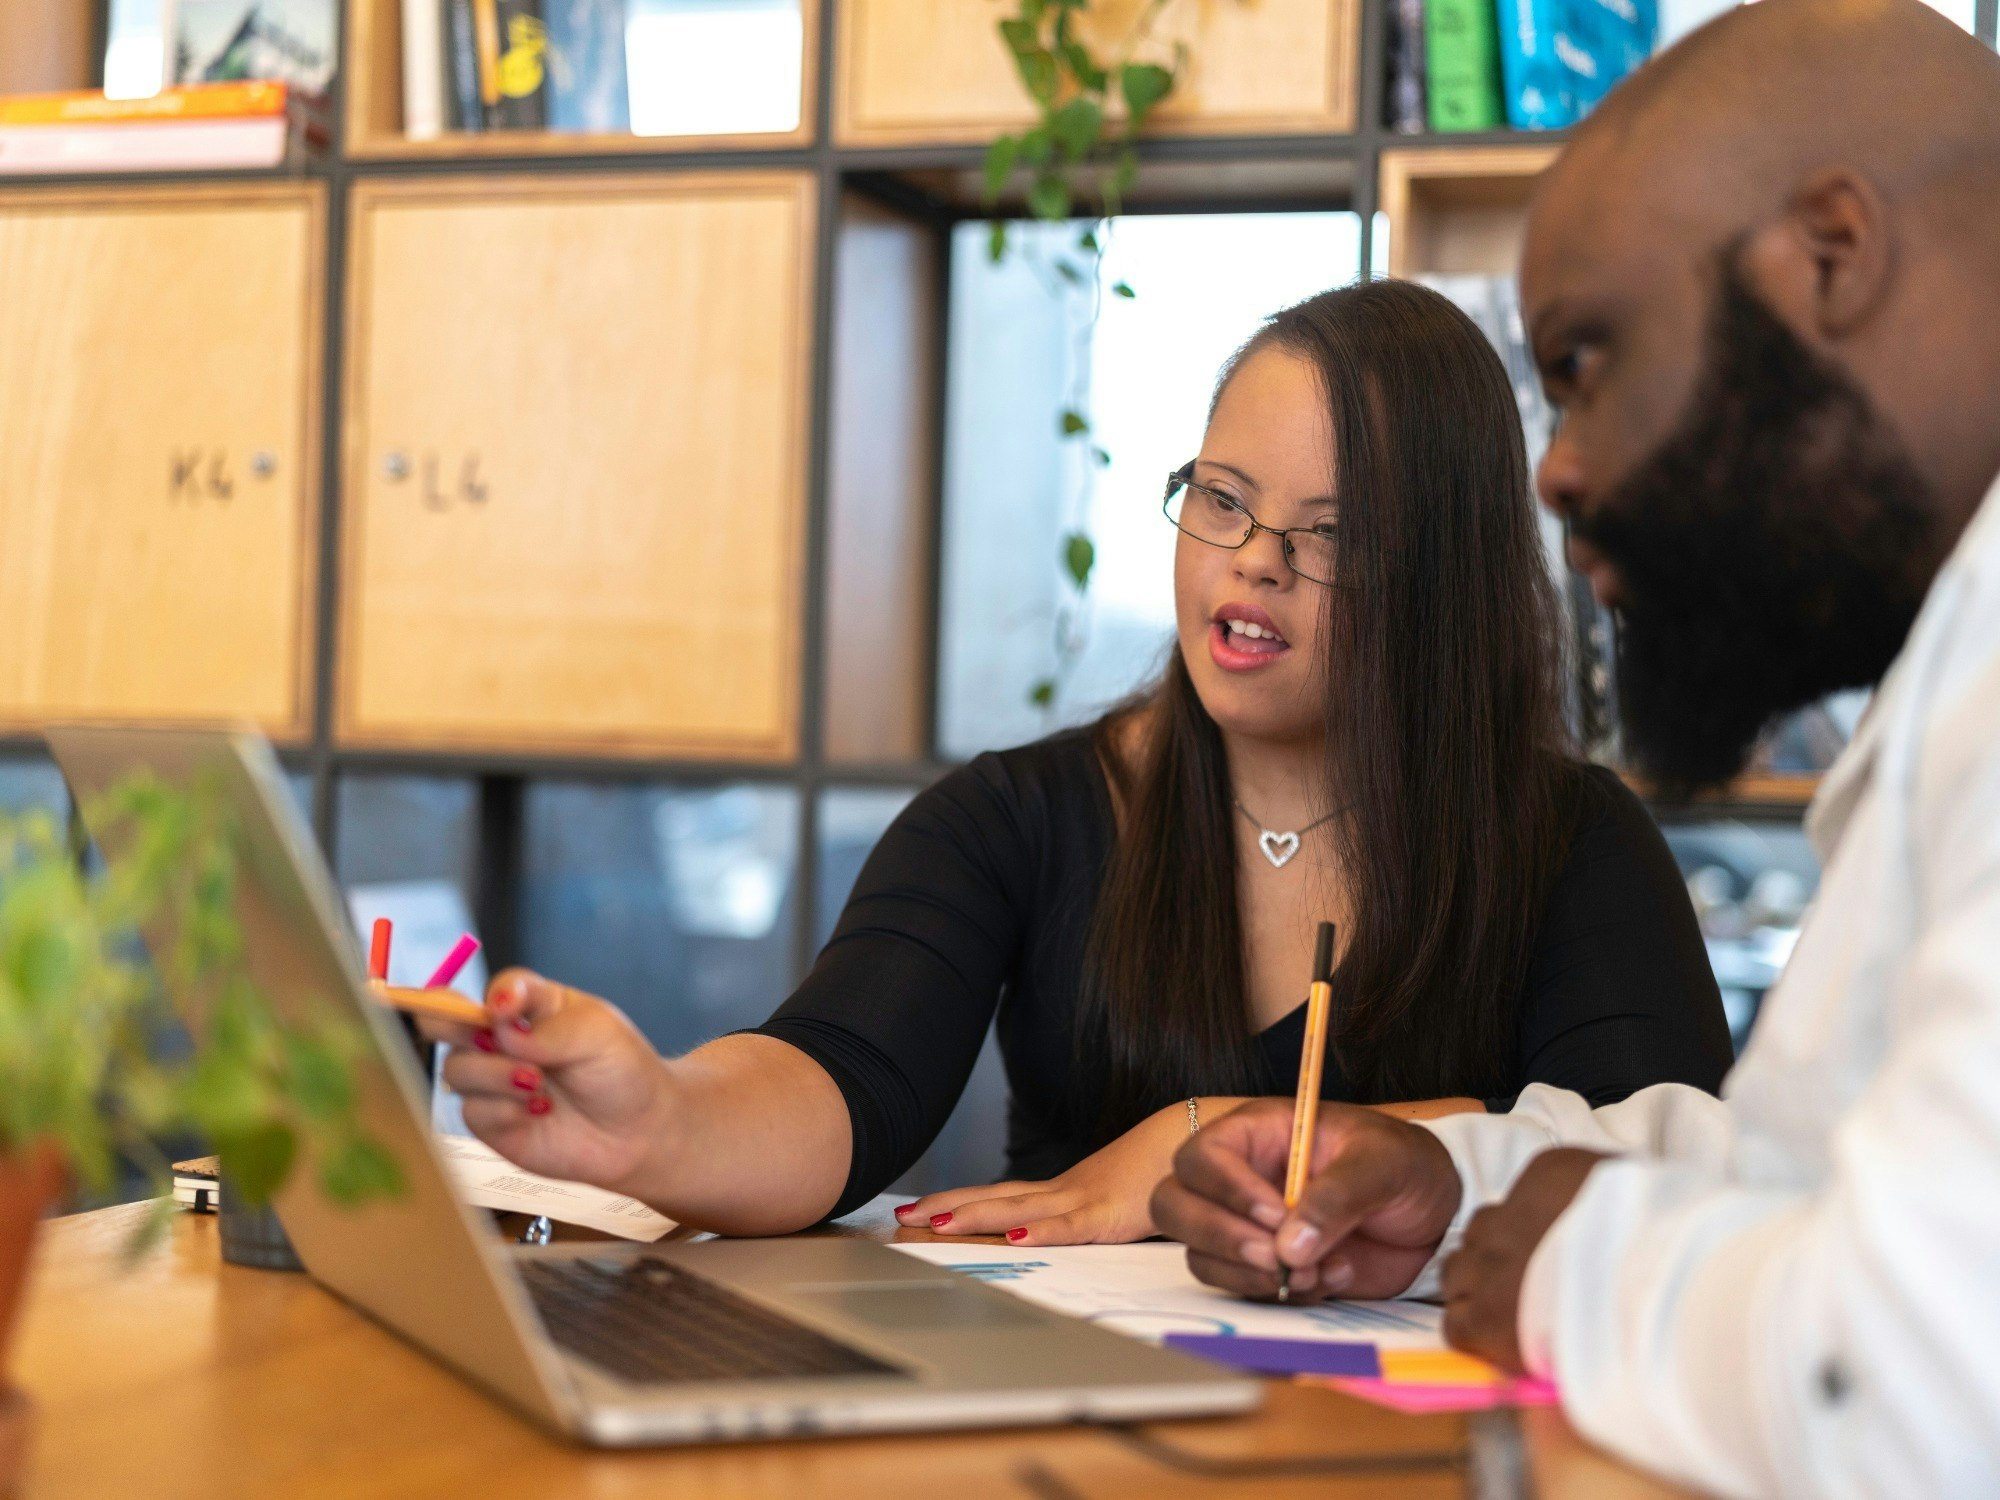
713	366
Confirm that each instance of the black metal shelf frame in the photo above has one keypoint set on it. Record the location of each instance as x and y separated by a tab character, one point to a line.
878	172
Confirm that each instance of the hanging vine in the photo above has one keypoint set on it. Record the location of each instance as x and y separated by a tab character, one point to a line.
1081	148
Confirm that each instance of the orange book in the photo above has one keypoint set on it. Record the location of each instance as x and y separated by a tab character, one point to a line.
255	98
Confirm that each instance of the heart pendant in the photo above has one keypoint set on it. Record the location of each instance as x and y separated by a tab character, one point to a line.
1278	847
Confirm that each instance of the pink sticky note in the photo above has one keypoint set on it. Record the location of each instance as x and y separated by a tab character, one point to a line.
1422	1399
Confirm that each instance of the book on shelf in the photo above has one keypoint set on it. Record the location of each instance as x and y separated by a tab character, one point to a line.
424	100
521	65
224	41
1560	57
1405	112
1603	40
1461	65
463	109
513	47
1538	94
248	124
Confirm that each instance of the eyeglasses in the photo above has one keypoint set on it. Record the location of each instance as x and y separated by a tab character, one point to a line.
1210	516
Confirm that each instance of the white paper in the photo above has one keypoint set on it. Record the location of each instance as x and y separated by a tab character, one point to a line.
1146	1291
486	1179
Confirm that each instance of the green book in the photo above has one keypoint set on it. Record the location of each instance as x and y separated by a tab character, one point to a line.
1462	63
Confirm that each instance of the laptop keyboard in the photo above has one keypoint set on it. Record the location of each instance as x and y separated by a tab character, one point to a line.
652	1323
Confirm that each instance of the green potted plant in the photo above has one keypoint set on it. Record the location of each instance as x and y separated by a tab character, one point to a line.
93	1067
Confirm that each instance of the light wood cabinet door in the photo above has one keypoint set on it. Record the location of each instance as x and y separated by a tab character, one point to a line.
914	71
159	399
575	464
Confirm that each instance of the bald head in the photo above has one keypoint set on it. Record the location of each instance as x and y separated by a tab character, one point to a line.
1766	93
1762	284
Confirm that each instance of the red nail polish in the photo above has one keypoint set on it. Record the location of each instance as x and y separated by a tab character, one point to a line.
527	1080
520	1023
938	1221
483	1040
541	1104
1017	1234
904	1209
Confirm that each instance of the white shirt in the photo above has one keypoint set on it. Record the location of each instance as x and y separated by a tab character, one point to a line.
1795	1290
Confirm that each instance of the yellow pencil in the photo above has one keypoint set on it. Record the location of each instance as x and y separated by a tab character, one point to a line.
1305	1108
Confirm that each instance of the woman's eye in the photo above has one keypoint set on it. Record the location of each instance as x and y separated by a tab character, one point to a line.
1221	504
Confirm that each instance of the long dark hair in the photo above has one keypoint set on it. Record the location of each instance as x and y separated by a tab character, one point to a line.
1445	746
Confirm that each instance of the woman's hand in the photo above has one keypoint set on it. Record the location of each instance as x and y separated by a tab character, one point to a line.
562	1083
1102	1200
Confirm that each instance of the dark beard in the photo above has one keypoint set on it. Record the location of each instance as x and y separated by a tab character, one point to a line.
1774	549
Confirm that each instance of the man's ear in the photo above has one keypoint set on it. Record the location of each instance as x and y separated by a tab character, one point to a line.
1824	264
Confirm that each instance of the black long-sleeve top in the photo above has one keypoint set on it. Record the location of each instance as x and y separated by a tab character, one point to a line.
980	897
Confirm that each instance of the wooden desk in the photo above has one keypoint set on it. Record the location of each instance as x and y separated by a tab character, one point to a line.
184	1377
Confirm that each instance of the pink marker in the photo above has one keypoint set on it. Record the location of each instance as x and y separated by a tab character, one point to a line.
460	955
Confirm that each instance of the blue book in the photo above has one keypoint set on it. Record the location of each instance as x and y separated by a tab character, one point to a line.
587	89
1599	41
1535	85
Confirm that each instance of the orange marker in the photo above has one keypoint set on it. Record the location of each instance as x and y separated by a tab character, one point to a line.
378	952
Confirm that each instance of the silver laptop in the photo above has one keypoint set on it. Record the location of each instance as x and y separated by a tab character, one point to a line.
617	1343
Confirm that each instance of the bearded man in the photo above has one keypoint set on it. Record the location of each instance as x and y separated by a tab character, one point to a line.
1763	287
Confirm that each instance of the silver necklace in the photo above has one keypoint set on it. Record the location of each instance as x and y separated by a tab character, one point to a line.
1280	847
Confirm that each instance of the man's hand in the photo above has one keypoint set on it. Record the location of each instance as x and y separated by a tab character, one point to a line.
1380	1198
1482	1280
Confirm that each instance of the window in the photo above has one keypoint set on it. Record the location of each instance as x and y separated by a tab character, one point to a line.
1021	348
31	783
674	903
1750	884
403	828
851	820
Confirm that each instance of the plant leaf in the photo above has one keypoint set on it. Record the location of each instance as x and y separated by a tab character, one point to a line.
159	1214
1037	67
1079	556
1075	127
1069	273
360	1169
257	1160
1043	693
996	241
1102	456
319	1080
1122	289
1144	85
1000	159
1074	422
1084	69
1048	199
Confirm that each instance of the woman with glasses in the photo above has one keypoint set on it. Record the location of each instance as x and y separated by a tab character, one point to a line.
1360	722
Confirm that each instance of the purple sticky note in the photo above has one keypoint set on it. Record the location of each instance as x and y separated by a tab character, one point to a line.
1282	1356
